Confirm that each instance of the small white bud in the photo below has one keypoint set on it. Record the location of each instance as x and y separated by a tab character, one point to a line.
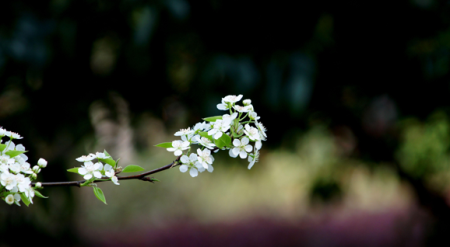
36	169
247	102
9	199
33	176
42	163
38	185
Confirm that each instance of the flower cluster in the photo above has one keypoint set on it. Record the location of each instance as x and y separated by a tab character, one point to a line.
16	173
234	132
98	170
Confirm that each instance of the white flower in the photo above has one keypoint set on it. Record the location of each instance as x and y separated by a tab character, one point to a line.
205	158
87	158
232	98
29	192
202	126
109	171
247	102
220	127
262	130
190	163
188	137
22	182
101	156
90	169
229	118
15	167
205	142
13	135
243	108
20	147
178	147
253	116
258	145
241	148
42	163
115	180
252	133
253	158
184	132
17	199
2	132
9	199
8	180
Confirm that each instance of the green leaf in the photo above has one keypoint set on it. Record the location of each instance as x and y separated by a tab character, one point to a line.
133	168
109	161
164	145
37	193
99	194
2	147
25	199
74	170
106	153
223	141
212	119
205	134
117	161
14	153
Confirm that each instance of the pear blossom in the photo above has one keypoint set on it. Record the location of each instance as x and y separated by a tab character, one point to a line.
205	158
178	147
87	158
247	102
253	116
190	163
8	180
229	118
184	132
232	98
243	108
99	155
9	199
2	132
109	171
252	133
253	158
115	180
42	163
220	127
90	169
241	148
262	130
205	142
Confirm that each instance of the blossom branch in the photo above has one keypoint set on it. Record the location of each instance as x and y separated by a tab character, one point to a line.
141	176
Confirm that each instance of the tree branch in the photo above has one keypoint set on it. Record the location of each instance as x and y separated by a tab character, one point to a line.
141	176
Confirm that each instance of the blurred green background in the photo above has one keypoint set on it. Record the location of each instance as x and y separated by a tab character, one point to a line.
354	95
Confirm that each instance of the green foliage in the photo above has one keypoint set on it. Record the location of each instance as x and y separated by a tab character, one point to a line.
74	170
223	141
37	193
164	145
25	199
212	119
14	153
99	194
133	168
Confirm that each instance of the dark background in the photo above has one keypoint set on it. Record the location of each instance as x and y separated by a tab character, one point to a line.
374	74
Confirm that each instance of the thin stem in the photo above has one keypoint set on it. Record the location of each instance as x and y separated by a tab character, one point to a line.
141	176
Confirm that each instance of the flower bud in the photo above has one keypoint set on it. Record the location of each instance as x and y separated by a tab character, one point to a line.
36	169
38	185
247	102
42	163
33	176
9	199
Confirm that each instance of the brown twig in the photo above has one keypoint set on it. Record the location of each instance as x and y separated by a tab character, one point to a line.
141	176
